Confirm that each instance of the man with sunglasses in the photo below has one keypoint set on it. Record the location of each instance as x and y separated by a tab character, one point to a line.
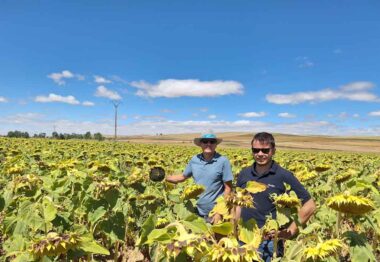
267	171
209	169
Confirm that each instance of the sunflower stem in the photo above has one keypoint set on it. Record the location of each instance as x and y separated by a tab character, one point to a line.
338	224
234	221
116	254
275	244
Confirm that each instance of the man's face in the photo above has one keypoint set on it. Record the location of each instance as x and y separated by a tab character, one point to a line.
262	158
208	146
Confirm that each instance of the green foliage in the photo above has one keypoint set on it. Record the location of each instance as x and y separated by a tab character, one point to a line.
18	134
102	193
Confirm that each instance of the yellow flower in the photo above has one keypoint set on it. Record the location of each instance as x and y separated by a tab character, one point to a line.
104	186
350	204
305	175
322	167
344	176
162	222
193	191
54	244
323	250
222	208
287	200
228	249
241	198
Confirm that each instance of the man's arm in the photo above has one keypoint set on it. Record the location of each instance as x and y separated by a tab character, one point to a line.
175	179
227	187
304	215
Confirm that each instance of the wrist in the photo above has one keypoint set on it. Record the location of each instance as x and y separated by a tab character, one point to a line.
292	229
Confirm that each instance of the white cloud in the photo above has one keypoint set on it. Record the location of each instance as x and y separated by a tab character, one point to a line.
374	113
252	114
167	111
101	80
58	78
80	77
170	127
211	116
3	99
203	109
88	103
188	87
358	86
102	91
119	79
356	91
286	115
343	115
304	62
150	124
149	118
57	98
23	118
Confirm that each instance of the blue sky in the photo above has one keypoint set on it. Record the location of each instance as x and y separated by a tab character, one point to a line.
299	67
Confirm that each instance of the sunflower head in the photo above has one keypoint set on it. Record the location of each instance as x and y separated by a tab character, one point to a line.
323	250
162	222
157	174
241	198
228	249
54	244
148	197
193	191
306	175
26	183
287	200
105	185
342	177
347	203
322	167
135	176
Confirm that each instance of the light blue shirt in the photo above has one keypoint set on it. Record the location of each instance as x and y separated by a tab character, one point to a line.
211	174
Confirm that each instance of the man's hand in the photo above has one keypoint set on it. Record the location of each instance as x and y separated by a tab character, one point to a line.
215	219
304	214
287	233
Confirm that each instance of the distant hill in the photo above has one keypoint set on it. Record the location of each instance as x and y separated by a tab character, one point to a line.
283	141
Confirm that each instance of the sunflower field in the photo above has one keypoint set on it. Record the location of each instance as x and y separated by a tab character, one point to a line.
106	201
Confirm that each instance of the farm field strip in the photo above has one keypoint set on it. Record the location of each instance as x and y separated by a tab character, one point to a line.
87	200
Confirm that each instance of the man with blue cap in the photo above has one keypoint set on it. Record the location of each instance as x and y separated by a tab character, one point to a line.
209	169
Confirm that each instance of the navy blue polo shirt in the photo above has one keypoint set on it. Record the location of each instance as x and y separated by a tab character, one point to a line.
274	179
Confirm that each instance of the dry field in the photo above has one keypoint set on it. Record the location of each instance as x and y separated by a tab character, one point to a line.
323	143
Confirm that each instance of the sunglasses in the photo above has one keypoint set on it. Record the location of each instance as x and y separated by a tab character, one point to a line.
206	141
264	150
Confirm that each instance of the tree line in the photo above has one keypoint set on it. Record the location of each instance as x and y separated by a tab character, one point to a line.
56	135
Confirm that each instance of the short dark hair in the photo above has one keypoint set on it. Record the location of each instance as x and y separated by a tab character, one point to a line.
264	137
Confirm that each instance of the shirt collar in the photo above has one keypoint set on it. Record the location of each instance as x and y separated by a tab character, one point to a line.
214	158
272	170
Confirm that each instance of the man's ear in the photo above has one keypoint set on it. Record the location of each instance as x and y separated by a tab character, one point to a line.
274	150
